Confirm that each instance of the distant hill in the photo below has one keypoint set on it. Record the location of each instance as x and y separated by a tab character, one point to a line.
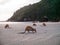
37	11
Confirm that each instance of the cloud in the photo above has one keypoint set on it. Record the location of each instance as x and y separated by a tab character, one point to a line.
8	7
3	1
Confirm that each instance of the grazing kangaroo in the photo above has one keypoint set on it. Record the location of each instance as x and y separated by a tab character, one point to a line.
6	26
44	24
29	28
34	24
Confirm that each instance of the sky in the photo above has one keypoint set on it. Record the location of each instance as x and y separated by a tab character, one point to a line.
8	7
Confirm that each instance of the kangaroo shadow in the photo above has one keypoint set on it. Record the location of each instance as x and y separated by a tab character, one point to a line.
26	33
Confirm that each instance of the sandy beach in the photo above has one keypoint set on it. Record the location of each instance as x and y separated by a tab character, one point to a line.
46	35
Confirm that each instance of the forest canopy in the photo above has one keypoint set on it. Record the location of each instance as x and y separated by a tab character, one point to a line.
45	9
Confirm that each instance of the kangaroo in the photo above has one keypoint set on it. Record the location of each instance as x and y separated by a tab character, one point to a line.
29	28
34	24
6	26
44	24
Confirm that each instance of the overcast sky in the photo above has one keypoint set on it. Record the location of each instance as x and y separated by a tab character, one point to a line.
8	7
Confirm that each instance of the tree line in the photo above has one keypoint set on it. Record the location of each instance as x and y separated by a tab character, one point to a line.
45	10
